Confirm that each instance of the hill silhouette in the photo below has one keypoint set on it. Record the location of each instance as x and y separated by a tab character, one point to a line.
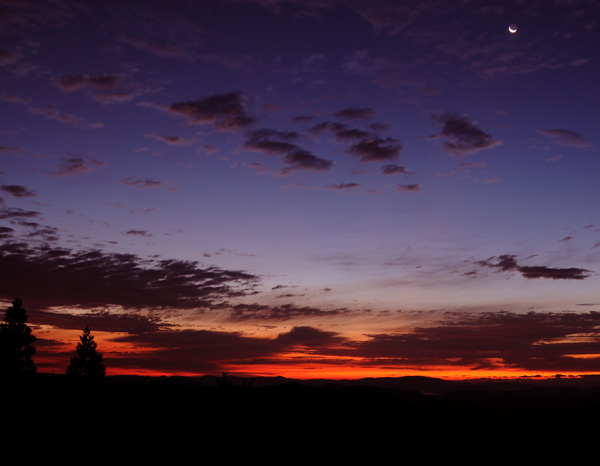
173	414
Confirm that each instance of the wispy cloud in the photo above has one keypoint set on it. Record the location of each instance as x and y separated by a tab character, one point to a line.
76	165
564	137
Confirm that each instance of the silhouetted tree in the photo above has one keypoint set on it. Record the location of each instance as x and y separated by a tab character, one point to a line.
87	361
16	342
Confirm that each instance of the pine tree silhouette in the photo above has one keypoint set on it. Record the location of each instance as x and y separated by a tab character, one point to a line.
87	361
16	342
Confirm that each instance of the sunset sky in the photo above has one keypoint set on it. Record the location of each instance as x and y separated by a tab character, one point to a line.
306	188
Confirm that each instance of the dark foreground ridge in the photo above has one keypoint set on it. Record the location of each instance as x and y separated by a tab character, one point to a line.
413	409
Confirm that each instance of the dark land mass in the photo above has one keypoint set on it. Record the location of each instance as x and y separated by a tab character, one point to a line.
417	411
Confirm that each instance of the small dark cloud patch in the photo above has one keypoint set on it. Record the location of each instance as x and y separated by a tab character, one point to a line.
341	131
143	233
18	190
70	83
309	337
225	111
409	188
508	263
76	165
355	113
343	186
141	183
262	312
270	141
393	169
464	136
376	149
16	213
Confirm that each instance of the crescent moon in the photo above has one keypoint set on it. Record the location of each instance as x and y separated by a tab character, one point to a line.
512	28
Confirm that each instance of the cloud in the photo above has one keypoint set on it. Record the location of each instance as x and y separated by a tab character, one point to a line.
16	213
138	233
409	188
263	312
224	111
309	337
343	186
52	113
73	166
141	183
376	149
301	159
17	190
7	57
74	82
394	169
11	150
342	131
564	137
532	341
158	48
171	140
91	278
270	141
464	134
355	113
508	263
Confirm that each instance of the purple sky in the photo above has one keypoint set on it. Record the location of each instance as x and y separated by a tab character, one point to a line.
346	179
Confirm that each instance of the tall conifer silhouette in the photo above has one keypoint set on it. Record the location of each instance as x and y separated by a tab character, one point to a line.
87	361
16	342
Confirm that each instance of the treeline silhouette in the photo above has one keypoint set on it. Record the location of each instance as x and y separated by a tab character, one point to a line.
17	349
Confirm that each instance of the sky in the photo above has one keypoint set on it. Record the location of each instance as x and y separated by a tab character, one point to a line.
308	189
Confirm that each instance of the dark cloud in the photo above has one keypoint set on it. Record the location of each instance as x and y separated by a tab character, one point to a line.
355	113
303	118
46	276
171	140
564	137
17	190
342	131
262	312
376	149
309	337
137	233
224	111
301	159
16	213
394	169
73	166
343	186
465	137
74	82
531	341
141	183
199	351
409	188
508	263
270	141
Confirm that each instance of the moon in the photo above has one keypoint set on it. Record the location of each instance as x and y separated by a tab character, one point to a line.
512	28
